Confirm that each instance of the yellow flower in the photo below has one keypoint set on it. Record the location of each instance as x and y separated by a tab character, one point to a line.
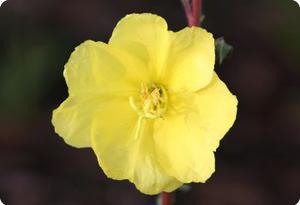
148	103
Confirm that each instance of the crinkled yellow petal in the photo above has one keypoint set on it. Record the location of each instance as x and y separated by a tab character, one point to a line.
222	113
181	151
123	144
90	67
94	74
96	68
144	36
191	60
186	141
72	120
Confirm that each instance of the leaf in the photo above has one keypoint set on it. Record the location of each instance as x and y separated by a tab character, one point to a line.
185	188
223	49
202	18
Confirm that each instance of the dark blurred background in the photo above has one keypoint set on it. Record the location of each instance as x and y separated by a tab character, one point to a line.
257	162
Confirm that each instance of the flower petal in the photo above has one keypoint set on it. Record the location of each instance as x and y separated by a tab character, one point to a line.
72	120
191	60
97	68
94	74
217	110
144	36
90	66
123	144
186	141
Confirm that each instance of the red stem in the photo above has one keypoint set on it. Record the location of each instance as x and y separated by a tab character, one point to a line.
166	198
192	11
197	12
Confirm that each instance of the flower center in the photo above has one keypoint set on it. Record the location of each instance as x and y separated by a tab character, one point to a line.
151	102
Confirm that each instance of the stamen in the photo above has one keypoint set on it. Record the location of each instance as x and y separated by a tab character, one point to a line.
152	102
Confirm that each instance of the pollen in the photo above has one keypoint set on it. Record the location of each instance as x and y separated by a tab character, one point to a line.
151	102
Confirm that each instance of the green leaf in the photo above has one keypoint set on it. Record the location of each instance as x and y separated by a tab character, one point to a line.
223	49
185	188
202	18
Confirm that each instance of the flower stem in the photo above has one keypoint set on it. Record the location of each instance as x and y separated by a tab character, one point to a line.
166	198
192	11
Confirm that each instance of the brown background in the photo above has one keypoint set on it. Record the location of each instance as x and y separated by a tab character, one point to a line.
257	162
